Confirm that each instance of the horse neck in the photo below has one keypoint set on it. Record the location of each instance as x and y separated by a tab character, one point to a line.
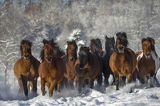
90	57
109	51
28	59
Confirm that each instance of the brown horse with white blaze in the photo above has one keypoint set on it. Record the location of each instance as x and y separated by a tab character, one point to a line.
70	60
52	67
146	64
123	60
26	68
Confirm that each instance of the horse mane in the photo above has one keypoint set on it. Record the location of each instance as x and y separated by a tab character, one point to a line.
123	37
25	42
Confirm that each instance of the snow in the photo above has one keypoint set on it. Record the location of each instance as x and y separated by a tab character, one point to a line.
111	97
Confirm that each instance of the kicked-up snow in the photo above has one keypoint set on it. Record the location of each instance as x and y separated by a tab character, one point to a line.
133	94
139	97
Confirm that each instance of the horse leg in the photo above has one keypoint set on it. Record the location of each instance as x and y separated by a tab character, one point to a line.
52	87
80	84
99	80
141	78
59	87
43	86
20	86
30	86
156	80
25	87
34	85
71	86
117	81
105	74
129	77
91	84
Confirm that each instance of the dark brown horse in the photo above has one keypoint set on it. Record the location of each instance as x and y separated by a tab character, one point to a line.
88	67
123	60
70	60
109	49
96	47
26	68
145	62
52	68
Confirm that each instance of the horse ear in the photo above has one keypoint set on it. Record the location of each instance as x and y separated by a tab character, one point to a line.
68	42
44	41
52	41
143	39
30	44
118	34
106	37
151	40
124	34
22	42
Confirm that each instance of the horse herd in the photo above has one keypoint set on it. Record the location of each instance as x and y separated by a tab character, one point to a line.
58	69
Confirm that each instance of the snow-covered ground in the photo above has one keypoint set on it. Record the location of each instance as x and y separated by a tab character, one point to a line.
140	96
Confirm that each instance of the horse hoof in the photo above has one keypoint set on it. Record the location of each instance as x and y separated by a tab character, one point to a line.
43	93
50	95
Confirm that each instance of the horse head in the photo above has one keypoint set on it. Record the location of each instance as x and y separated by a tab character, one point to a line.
121	42
146	47
25	49
71	50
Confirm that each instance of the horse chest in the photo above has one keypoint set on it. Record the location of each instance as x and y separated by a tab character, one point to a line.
122	64
70	69
25	66
146	64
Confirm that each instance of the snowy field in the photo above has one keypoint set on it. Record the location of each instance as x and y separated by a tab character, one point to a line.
140	96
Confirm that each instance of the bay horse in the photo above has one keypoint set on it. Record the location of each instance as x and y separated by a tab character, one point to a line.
26	68
146	65
123	60
52	67
70	59
88	68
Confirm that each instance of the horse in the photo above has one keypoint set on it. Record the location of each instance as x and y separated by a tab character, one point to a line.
70	59
26	69
52	67
88	68
146	65
123	60
109	49
96	47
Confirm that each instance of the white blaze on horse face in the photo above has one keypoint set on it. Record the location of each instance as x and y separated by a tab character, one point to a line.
140	56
